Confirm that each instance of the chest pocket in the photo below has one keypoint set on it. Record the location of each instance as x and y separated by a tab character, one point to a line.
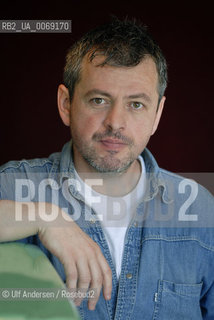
175	301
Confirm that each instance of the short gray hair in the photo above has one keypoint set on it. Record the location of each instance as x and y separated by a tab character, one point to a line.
123	44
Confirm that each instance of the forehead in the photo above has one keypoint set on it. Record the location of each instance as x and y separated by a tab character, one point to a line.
143	77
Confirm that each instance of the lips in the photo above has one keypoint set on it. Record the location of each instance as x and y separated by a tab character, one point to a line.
113	144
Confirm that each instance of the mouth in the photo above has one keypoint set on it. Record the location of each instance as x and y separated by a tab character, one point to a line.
113	144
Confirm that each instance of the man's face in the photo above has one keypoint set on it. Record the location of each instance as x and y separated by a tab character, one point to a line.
113	114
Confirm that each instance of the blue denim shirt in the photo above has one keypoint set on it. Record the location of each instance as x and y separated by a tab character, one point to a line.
168	260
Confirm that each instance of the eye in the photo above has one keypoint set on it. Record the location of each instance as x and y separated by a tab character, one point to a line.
136	105
98	101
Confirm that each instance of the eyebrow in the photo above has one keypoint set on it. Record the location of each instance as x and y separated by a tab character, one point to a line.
140	95
106	94
97	91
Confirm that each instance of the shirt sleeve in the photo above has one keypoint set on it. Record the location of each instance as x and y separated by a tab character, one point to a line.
7	192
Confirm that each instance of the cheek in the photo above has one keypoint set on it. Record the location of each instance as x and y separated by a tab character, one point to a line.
141	127
141	133
85	125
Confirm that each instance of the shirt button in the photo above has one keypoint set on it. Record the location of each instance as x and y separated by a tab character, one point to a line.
92	221
135	224
129	275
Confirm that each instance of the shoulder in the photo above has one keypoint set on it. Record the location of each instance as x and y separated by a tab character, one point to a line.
17	175
192	206
191	182
29	165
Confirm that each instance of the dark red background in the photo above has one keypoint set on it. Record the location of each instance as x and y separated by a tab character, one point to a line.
31	67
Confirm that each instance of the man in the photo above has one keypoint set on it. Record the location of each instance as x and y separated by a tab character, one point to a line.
143	234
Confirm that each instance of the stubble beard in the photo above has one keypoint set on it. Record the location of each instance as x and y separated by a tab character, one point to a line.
110	163
106	164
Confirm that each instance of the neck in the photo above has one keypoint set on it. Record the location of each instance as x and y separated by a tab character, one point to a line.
112	184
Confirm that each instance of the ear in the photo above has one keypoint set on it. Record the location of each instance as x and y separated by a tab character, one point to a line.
158	114
64	105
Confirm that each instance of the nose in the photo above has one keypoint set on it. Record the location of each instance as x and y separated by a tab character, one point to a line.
115	118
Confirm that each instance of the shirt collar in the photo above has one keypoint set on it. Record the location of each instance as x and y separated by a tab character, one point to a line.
155	180
63	167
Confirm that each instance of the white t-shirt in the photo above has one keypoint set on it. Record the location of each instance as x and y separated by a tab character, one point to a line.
115	214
